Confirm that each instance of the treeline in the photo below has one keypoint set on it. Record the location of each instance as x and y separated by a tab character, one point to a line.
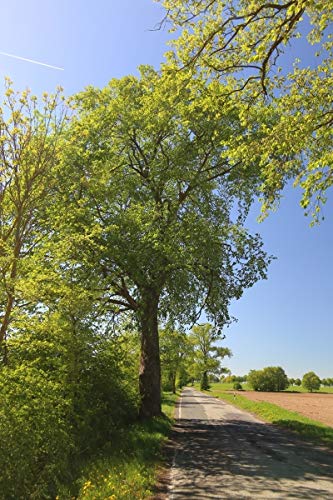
274	378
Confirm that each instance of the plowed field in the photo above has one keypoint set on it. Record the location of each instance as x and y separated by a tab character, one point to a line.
316	406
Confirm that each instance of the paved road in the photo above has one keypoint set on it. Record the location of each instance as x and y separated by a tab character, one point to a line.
222	452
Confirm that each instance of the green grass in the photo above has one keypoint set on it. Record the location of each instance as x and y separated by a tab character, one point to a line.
307	428
127	466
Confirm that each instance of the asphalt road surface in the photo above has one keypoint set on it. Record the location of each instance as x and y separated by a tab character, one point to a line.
223	452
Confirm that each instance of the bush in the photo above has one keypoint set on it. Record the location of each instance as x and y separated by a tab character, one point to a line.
35	439
238	386
271	378
62	397
311	381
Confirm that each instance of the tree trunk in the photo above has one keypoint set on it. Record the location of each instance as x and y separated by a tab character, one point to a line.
150	368
174	382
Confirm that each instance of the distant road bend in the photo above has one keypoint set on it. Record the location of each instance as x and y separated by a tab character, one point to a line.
222	452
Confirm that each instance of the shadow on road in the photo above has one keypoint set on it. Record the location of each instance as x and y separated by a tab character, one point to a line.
235	458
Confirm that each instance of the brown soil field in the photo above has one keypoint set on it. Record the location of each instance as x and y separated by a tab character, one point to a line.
316	406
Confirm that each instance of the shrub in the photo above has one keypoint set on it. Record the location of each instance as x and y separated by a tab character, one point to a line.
238	386
271	378
35	439
62	397
311	381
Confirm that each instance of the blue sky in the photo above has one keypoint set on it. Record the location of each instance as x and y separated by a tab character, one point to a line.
285	320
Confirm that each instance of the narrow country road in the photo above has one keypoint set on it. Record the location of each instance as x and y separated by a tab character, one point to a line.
222	452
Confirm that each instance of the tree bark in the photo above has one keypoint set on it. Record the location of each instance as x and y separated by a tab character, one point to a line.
150	368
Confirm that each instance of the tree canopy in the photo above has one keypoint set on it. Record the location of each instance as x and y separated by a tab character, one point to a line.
241	43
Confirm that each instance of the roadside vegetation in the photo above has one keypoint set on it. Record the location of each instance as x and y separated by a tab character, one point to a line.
126	467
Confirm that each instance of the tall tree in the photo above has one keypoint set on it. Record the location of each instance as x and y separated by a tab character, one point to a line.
29	145
240	43
155	207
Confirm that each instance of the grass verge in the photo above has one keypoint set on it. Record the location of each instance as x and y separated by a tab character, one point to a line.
126	468
274	414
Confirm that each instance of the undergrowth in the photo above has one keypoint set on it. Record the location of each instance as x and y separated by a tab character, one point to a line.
126	467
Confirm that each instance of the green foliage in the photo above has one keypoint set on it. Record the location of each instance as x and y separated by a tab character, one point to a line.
204	357
173	349
272	378
240	43
146	176
101	218
238	386
36	438
30	136
311	381
327	382
149	185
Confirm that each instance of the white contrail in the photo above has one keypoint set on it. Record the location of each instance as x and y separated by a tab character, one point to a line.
31	61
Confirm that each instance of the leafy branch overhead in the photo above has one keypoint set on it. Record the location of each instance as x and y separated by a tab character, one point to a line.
242	43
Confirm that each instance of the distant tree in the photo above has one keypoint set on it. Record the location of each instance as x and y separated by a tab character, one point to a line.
173	348
327	382
207	357
311	381
298	382
291	381
271	378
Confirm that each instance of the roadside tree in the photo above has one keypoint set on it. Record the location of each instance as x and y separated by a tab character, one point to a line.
206	357
174	347
152	205
30	133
